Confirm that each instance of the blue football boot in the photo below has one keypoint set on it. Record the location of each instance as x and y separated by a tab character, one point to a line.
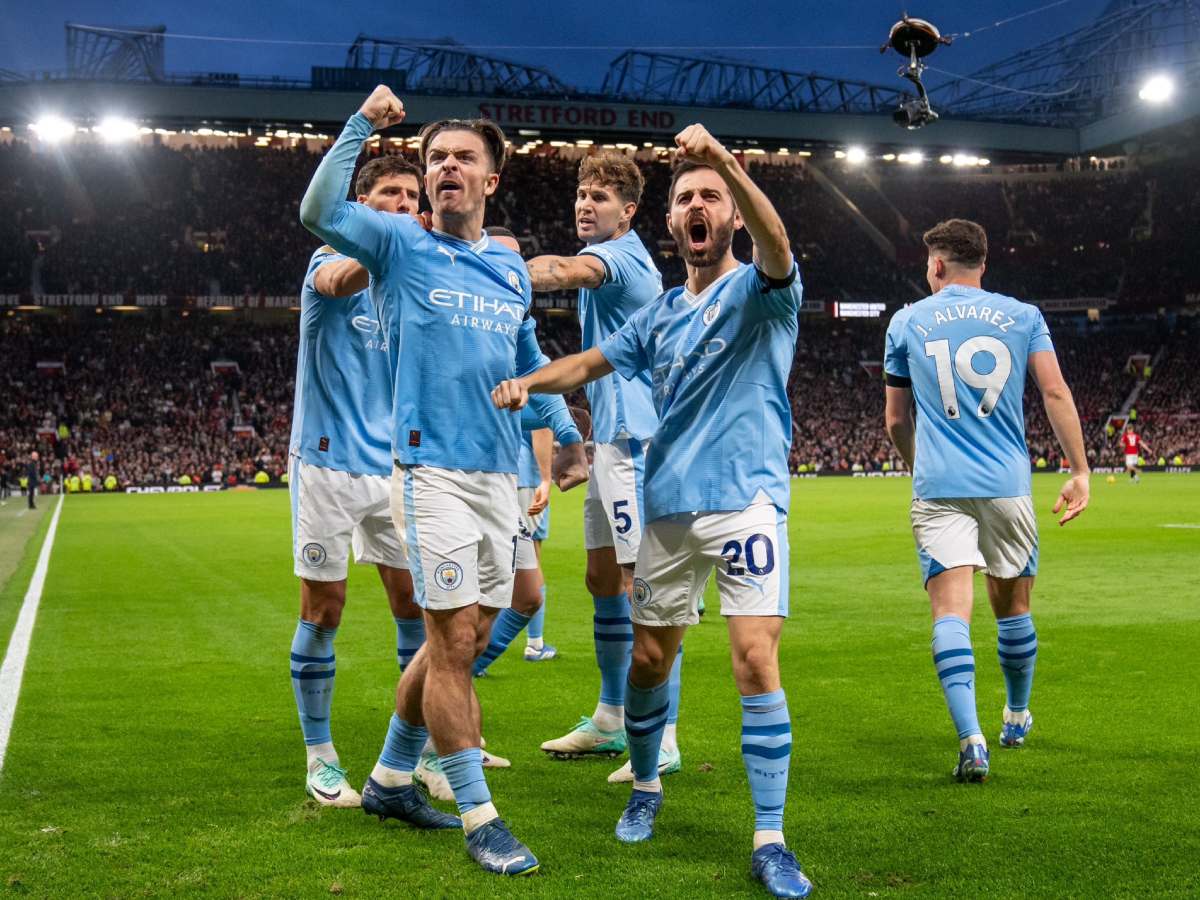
972	764
1016	728
406	803
637	822
776	867
496	850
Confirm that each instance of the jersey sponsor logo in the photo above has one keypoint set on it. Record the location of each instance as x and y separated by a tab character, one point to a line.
314	555
448	575
641	593
366	324
476	303
711	312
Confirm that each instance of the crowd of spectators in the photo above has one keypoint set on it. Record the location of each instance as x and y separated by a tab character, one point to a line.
154	399
138	398
224	221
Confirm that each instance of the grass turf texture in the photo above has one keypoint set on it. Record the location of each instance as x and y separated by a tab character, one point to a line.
156	748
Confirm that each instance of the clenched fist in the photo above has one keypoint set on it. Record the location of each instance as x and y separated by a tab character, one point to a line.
383	108
695	144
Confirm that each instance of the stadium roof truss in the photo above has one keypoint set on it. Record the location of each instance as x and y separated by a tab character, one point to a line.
1086	74
643	77
446	66
132	53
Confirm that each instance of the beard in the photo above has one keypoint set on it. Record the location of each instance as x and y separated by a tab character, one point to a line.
719	242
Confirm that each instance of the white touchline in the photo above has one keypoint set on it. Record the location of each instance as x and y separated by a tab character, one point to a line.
1181	525
13	667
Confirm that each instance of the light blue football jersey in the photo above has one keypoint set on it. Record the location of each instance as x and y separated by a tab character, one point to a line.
619	405
343	397
719	366
453	314
966	351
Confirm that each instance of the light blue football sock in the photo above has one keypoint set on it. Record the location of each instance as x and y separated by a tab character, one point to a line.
509	623
403	744
464	771
767	754
613	635
645	718
537	625
1017	642
410	635
955	663
674	680
312	679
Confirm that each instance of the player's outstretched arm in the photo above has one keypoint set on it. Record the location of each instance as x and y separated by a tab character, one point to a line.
559	377
899	420
565	273
350	228
1064	419
341	278
772	253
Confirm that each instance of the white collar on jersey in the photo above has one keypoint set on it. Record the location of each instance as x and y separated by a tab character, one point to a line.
694	300
474	246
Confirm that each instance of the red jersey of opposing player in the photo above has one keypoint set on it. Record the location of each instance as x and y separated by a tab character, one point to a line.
1132	442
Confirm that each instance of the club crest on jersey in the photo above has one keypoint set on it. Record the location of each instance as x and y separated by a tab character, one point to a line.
314	555
513	280
365	324
448	575
641	593
711	312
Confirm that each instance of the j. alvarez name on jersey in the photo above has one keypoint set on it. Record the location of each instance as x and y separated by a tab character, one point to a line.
960	312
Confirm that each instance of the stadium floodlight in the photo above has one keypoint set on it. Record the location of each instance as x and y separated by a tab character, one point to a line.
53	129
983	161
856	155
114	129
914	158
961	159
945	159
1157	89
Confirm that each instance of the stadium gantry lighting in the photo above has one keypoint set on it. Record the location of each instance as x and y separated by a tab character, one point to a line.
53	129
114	129
984	161
1157	89
945	159
856	155
915	158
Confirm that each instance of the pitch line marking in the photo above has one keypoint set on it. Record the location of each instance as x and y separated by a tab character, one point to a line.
13	667
1181	525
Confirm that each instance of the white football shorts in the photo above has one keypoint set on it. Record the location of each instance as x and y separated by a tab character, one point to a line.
528	528
1131	460
997	535
612	510
749	550
460	531
334	513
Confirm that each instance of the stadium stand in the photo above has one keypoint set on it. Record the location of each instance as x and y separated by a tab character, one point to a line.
138	397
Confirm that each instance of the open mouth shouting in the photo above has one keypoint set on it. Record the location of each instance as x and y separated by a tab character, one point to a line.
697	234
449	188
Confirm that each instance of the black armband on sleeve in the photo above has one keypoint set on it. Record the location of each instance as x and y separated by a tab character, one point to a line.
776	284
897	381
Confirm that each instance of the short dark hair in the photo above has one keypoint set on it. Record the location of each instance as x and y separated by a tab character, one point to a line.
616	170
384	167
680	169
961	241
489	132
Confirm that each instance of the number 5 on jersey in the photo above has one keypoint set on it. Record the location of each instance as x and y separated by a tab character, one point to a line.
992	384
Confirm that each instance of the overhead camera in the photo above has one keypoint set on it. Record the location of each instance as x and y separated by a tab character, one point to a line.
914	39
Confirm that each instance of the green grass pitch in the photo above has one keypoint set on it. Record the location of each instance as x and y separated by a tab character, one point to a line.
156	749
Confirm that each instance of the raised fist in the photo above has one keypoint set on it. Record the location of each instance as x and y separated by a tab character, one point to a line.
383	108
